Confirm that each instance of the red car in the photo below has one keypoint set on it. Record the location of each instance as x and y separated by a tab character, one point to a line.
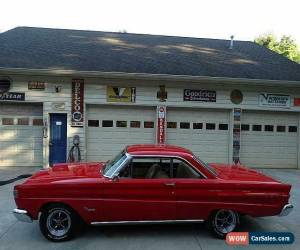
147	184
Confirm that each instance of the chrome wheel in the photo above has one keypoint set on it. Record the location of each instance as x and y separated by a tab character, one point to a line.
225	221
58	222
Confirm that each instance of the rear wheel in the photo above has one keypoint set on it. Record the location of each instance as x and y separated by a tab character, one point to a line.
222	222
58	223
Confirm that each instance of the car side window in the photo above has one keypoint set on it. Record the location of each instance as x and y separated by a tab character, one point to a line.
147	168
181	170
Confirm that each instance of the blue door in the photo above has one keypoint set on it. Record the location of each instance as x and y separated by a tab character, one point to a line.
58	138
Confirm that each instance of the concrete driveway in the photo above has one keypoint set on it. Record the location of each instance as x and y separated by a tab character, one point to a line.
17	235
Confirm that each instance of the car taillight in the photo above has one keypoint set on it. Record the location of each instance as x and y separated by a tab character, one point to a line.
16	194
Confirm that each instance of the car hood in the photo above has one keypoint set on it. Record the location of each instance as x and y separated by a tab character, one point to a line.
239	172
67	171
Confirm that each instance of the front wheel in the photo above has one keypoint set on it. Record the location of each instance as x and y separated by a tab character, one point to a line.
58	223
222	222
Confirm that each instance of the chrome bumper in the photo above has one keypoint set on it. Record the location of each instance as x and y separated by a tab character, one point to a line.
286	210
22	215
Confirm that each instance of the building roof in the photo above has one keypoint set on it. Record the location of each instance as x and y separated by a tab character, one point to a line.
155	148
43	48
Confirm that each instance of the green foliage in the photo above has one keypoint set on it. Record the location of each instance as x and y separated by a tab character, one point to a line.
286	46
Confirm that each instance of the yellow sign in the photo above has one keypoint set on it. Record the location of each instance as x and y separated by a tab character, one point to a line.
120	94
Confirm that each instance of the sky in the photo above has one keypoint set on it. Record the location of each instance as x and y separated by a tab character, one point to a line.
245	19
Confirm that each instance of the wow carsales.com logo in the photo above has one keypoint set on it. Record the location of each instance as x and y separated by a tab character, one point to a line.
246	238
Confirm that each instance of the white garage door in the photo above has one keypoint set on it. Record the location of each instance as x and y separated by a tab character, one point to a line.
21	135
111	128
205	132
269	139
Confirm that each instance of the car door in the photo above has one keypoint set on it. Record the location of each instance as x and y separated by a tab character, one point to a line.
194	193
140	194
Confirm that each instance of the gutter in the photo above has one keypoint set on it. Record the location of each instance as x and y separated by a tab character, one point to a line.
145	76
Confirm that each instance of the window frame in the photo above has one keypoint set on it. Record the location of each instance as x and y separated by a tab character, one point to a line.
131	157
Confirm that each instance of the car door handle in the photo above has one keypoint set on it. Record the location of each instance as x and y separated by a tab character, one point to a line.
170	184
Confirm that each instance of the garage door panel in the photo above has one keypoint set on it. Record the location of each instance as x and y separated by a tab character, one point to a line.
104	142
21	145
209	145
269	149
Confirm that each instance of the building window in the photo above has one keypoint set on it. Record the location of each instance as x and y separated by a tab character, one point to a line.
37	122
148	124
135	124
245	127
210	126
93	123
121	124
223	126
7	121
269	128
185	125
107	123
293	129
256	127
23	121
197	125
171	124
280	128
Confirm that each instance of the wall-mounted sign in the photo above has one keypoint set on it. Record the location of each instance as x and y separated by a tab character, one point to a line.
274	100
36	85
4	85
236	135
199	95
12	96
58	106
120	94
236	96
77	103
297	101
162	94
161	125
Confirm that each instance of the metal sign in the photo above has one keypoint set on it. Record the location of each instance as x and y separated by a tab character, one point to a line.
77	103
274	100
4	85
12	96
161	125
199	95
36	85
120	94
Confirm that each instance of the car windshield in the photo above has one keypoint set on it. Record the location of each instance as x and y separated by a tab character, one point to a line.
113	164
210	169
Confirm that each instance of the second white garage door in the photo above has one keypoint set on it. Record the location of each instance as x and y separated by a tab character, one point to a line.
203	131
269	139
111	128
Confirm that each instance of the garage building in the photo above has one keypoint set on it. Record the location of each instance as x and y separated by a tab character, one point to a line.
227	104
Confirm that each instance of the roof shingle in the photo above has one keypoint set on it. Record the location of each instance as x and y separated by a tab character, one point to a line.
43	48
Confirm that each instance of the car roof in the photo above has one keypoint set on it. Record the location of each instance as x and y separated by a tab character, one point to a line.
156	149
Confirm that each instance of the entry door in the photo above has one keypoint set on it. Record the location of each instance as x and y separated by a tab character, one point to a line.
58	138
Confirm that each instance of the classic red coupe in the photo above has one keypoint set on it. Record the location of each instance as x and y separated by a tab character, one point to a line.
147	184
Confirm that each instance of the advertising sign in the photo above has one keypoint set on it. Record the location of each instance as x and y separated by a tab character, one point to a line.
236	133
36	85
274	100
161	125
199	95
120	94
4	85
12	96
77	103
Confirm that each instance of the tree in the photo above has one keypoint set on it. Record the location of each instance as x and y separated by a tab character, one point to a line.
286	46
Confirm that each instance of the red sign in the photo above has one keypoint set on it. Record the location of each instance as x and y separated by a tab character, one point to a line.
161	125
296	101
77	103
